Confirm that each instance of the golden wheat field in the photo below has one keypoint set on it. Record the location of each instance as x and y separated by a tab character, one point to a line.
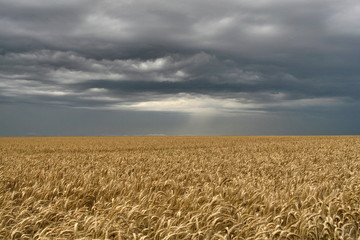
246	187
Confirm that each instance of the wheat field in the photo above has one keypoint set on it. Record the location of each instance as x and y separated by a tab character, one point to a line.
226	187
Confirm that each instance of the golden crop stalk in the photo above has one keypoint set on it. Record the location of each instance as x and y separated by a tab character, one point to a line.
180	187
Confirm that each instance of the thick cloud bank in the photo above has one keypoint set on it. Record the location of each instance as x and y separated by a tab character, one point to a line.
226	57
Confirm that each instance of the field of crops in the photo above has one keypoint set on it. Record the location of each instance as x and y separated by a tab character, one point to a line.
180	187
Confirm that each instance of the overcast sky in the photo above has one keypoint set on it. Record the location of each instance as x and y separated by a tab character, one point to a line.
190	67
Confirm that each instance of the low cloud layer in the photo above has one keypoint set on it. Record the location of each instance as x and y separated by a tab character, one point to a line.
192	57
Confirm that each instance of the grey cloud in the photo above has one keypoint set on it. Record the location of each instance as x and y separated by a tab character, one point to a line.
69	78
272	55
238	26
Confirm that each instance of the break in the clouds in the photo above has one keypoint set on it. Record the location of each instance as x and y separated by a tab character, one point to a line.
220	58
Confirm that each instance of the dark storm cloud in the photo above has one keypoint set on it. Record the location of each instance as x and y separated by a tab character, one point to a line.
266	55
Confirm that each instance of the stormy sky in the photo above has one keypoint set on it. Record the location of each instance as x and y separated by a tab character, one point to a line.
160	67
